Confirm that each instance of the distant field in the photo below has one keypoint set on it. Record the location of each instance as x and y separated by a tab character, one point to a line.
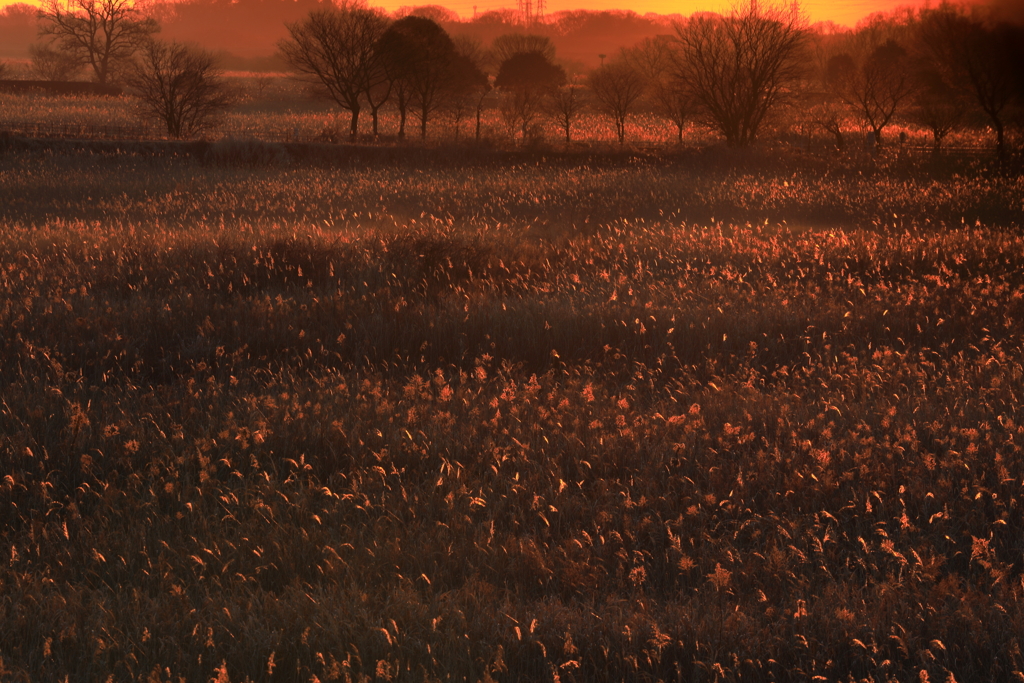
275	107
707	417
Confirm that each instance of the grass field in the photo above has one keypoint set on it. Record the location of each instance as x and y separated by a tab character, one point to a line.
283	110
275	107
706	417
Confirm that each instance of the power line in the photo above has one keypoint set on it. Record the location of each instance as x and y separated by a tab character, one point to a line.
526	11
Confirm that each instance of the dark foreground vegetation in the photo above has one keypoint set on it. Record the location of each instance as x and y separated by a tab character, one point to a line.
571	420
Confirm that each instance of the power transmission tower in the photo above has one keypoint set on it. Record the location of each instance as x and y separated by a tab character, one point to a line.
526	11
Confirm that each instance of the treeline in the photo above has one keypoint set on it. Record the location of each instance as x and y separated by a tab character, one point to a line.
251	29
246	32
759	67
942	69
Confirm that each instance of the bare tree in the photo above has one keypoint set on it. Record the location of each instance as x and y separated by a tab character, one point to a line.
334	50
876	87
378	86
422	59
566	104
104	34
261	83
740	67
49	64
467	85
656	59
525	80
831	116
819	108
479	85
178	85
377	95
617	88
976	58
431	72
939	107
394	53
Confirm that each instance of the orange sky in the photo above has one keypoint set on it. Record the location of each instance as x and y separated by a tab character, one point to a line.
840	11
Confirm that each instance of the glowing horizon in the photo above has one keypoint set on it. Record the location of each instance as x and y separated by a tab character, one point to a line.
843	12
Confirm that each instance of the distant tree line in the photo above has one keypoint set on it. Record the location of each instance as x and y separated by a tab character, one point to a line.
737	73
942	68
247	31
759	66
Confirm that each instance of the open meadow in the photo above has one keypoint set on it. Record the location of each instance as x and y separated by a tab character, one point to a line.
471	416
274	107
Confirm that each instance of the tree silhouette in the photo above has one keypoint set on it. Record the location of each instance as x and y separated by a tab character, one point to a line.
506	46
877	87
335	51
566	104
178	85
421	57
656	59
468	85
980	59
103	34
474	80
50	64
395	54
617	88
526	79
938	106
529	70
740	67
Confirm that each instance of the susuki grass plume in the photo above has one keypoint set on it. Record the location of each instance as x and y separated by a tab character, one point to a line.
478	423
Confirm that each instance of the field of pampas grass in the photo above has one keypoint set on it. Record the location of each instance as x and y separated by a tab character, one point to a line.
559	419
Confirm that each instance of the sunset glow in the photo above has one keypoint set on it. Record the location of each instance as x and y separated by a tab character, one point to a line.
848	12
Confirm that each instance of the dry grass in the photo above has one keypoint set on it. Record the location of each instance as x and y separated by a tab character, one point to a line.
540	422
275	107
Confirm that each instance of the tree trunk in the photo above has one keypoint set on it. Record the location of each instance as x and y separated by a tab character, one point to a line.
354	128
